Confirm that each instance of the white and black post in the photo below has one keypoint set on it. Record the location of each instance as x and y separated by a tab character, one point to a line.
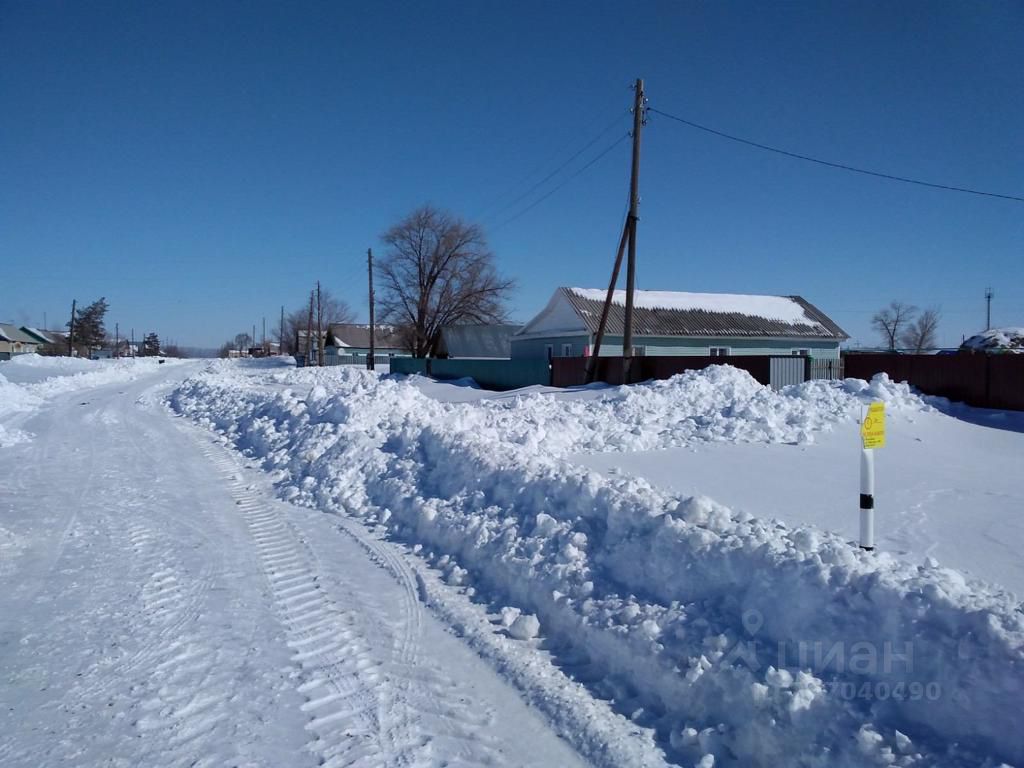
867	498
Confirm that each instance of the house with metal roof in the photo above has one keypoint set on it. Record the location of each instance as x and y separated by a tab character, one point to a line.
352	340
15	341
674	323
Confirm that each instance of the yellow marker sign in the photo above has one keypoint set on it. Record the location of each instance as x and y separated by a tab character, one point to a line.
872	429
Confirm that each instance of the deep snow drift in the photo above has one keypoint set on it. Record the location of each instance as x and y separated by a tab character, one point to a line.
734	639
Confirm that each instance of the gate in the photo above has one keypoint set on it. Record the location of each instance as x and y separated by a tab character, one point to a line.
784	371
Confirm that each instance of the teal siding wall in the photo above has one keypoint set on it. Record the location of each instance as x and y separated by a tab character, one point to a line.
536	348
611	346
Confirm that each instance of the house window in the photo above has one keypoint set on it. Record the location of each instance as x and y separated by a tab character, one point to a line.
720	351
549	351
801	353
567	350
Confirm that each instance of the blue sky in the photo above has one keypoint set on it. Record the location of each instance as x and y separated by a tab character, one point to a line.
200	164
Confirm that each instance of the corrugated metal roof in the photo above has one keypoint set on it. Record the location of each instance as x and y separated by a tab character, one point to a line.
701	323
13	333
358	336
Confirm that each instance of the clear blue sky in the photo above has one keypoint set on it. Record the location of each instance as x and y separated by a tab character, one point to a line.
200	164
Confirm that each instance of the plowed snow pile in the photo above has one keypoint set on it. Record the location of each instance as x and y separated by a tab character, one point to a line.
738	641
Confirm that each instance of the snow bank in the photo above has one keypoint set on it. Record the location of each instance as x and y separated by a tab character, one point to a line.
731	637
14	399
27	380
1005	340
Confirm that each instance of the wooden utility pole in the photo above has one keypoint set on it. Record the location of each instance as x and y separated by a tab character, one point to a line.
599	337
373	346
71	335
634	205
280	340
117	340
628	238
988	308
319	327
309	330
263	342
134	351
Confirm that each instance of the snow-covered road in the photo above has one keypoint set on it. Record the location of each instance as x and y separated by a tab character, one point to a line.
159	607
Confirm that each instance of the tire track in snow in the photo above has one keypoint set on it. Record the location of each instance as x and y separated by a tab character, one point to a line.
364	707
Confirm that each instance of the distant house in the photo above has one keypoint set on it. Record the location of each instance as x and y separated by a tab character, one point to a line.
14	341
352	340
477	341
673	323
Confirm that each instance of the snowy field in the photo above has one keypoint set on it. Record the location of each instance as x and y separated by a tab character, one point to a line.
654	575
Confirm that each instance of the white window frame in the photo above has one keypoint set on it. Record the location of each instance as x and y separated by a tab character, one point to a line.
567	349
719	351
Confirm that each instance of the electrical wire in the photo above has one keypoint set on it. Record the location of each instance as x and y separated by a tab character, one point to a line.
841	166
565	181
486	209
604	132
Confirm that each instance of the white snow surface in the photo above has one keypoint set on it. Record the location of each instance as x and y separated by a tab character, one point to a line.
159	607
1007	340
780	308
728	639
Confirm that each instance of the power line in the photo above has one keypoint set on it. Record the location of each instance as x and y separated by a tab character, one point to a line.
565	181
841	166
604	132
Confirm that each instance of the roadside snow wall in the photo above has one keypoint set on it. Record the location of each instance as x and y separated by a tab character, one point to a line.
730	636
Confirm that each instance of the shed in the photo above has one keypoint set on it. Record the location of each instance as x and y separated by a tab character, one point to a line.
477	341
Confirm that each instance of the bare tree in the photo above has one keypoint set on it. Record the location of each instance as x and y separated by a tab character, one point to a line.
892	321
438	271
922	333
334	310
242	341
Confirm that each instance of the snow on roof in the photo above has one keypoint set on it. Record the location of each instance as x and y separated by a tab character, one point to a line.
676	313
11	332
1009	339
783	309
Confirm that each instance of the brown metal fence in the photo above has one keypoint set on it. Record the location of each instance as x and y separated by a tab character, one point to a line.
571	371
985	381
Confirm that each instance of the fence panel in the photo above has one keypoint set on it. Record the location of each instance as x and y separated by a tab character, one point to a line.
831	369
784	371
409	365
985	381
1006	382
493	374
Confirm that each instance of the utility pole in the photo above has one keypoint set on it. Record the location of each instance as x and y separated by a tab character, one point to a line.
373	346
280	341
263	343
117	340
71	336
988	308
134	351
309	330
634	204
319	327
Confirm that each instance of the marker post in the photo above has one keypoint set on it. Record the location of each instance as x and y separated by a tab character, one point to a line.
872	435
867	498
